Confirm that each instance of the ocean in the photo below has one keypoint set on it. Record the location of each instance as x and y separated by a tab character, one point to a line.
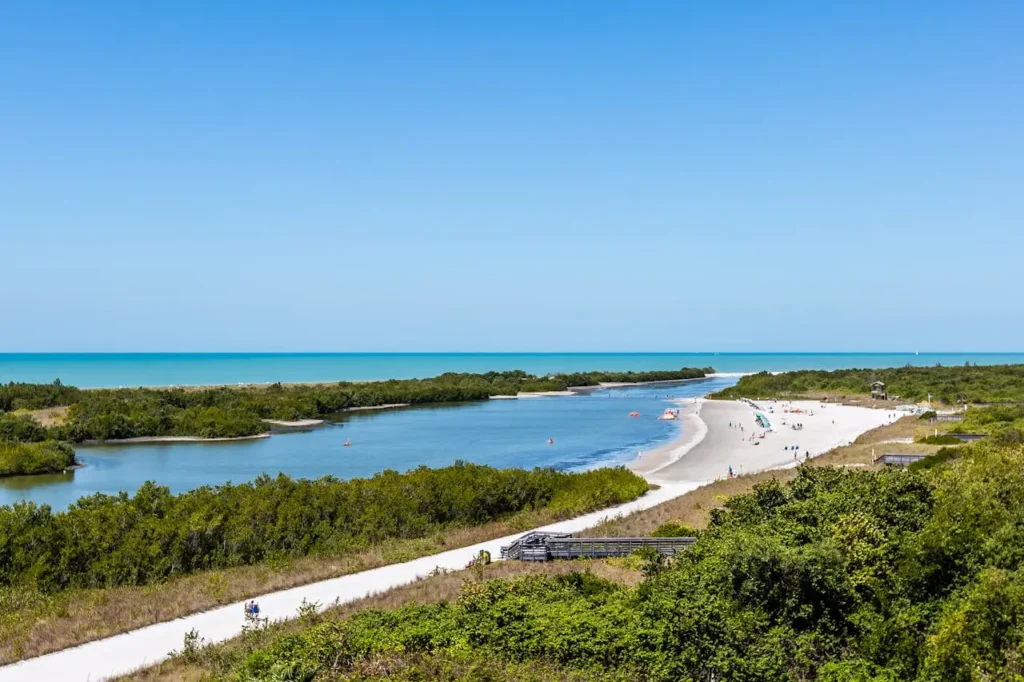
96	370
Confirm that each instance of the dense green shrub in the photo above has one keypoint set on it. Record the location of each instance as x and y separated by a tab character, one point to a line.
949	385
941	457
940	439
840	575
674	529
992	419
21	428
34	458
104	540
21	396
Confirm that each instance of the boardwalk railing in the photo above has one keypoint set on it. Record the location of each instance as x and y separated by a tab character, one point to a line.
547	546
901	459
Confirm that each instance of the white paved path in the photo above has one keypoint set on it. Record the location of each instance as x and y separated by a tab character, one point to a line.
149	645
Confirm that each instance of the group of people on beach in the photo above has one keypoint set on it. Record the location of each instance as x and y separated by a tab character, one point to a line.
252	609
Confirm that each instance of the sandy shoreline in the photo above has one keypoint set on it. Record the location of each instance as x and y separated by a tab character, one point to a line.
173	439
293	424
719	434
692	431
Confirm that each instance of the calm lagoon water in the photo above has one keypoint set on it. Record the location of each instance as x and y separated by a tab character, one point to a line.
91	370
588	431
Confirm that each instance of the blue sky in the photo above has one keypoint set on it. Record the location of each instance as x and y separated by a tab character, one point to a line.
520	176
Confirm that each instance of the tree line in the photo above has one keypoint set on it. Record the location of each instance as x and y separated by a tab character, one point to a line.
105	541
949	385
226	412
839	575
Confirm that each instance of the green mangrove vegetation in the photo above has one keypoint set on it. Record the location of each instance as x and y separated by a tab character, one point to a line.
947	385
48	457
26	448
106	541
869	576
1004	423
228	412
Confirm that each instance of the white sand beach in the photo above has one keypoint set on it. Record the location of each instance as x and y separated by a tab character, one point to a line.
693	432
709	445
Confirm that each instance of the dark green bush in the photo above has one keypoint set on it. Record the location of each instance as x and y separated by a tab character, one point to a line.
840	575
103	540
940	439
948	385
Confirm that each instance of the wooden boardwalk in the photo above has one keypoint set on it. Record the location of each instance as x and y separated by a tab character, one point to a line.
901	459
550	546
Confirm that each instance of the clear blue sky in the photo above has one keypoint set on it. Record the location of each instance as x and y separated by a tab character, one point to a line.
511	176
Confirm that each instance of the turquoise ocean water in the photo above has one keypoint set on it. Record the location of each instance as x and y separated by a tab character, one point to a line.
167	369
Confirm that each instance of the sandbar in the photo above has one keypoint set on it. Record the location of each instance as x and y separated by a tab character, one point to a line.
172	439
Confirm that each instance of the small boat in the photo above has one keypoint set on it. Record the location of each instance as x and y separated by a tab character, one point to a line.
551	441
668	416
347	443
634	414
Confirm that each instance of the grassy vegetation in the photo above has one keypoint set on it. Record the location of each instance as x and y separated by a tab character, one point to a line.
839	574
947	385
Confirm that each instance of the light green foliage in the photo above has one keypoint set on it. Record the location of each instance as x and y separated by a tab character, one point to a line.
103	541
35	458
1005	423
980	635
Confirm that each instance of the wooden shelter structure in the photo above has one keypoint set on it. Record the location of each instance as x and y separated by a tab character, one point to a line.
878	390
